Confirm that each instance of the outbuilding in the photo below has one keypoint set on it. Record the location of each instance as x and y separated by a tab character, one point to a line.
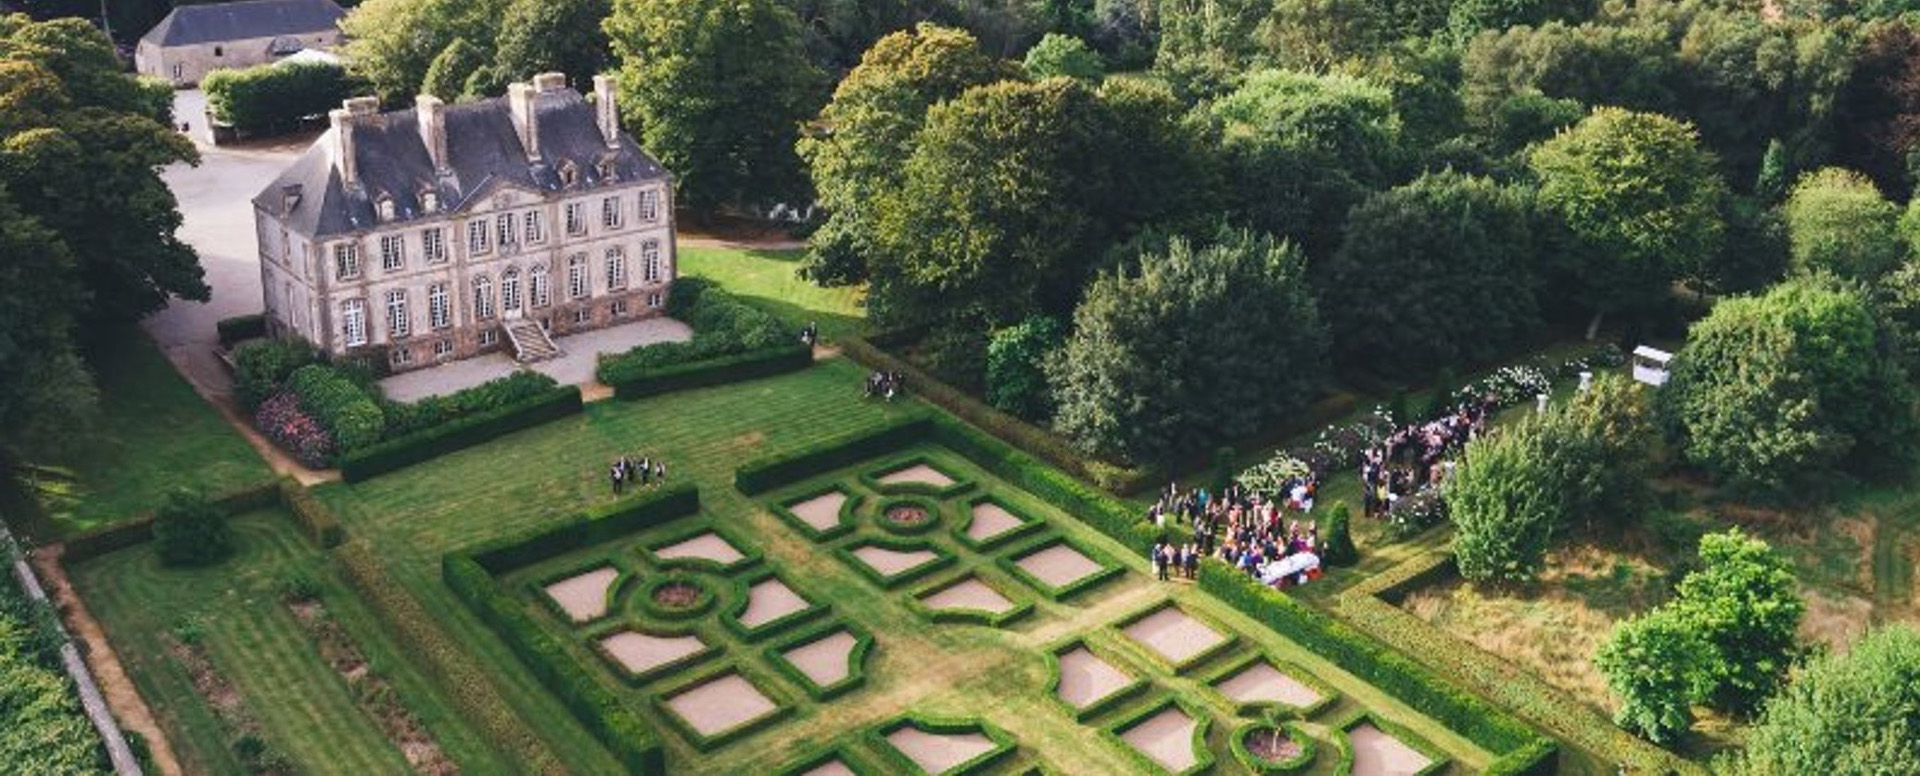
194	40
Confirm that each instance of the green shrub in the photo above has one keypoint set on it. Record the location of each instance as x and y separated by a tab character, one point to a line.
315	519
189	530
459	433
1338	549
275	96
344	408
638	381
259	368
771	471
588	528
722	326
409	418
240	328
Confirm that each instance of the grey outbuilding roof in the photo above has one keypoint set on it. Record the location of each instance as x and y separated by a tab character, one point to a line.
245	20
483	154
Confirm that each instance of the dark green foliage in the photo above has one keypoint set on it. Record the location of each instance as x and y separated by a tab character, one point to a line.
723	326
1016	377
1233	322
1653	664
190	530
1338	536
771	471
540	36
1063	55
514	389
275	97
1439	272
315	519
459	431
447	77
750	365
240	328
595	525
1851	712
47	731
260	368
1781	392
1746	605
1839	223
343	408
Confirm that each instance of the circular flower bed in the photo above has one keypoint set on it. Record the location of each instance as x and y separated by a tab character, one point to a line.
909	516
1266	748
676	597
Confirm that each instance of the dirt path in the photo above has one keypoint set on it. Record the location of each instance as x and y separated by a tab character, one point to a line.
128	707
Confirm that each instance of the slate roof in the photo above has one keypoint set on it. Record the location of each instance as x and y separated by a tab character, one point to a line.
483	151
248	19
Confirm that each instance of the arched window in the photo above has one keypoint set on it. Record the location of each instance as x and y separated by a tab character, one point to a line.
510	291
569	174
537	286
483	298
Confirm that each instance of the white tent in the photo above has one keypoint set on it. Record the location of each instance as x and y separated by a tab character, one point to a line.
1650	365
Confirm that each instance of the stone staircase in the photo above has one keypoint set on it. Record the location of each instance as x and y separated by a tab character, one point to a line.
530	341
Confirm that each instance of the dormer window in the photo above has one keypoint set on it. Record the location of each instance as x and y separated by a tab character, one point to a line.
569	175
384	206
607	172
429	201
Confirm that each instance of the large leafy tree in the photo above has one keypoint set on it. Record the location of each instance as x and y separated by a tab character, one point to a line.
538	36
1063	55
1838	222
1195	345
1432	274
1745	603
1850	712
719	89
1653	663
45	391
1781	392
392	43
1641	199
867	132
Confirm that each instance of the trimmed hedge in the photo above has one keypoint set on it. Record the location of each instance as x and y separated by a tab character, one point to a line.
276	96
941	559
856	660
1008	428
622	581
783	510
1102	705
749	554
872	479
1261	765
637	382
241	328
587	528
1203	756
1011	564
467	684
1003	743
676	665
701	605
1436	759
1229	640
771	471
342	407
138	529
830	753
630	739
1028	523
999	619
1328	695
783	706
314	518
458	434
935	515
743	589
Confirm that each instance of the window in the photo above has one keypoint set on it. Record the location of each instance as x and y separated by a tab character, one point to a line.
346	261
608	173
442	348
400	356
650	206
616	269
510	291
393	252
385	208
610	212
506	229
179	73
536	228
620	308
429	201
650	261
569	174
582	316
439	308
653	301
353	322
398	324
483	298
489	337
433	242
218	52
576	218
477	237
577	285
537	286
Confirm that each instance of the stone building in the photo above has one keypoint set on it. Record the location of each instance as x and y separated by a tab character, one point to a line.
446	231
194	40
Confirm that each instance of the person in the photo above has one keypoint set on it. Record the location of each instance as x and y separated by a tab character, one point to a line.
646	470
1193	562
1160	561
618	476
659	472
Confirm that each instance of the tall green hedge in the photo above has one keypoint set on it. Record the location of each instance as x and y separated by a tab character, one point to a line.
771	471
342	407
459	433
640	381
275	97
588	528
723	326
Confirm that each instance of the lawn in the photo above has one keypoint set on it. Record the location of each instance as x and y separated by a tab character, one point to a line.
966	671
155	434
771	280
250	637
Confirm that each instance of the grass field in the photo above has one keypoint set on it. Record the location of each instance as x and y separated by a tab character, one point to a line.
305	709
951	670
770	281
155	434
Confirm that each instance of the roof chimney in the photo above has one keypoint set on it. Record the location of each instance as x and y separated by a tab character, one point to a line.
549	82
520	98
606	112
342	119
432	115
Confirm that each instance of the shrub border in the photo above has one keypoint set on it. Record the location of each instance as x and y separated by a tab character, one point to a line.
871	476
1262	765
636	678
899	762
1010	563
936	514
1029	523
767	472
1328	695
584	529
1203	722
743	591
537	588
653	609
749	553
1437	759
916	602
783	509
1228	642
719	370
857	659
459	434
94	543
782	706
1112	700
942	559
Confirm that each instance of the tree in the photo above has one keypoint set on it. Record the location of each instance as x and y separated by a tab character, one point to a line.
1780	393
1653	664
1745	604
1339	549
276	96
1505	501
1016	361
189	530
1438	272
719	89
1640	197
1838	222
1063	55
1134	381
1879	106
870	127
541	36
46	394
1848	712
451	70
393	43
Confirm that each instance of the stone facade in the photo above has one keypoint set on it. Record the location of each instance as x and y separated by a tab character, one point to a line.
194	40
414	235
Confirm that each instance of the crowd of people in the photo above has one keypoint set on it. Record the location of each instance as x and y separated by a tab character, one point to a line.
1258	533
1417	456
885	385
626	472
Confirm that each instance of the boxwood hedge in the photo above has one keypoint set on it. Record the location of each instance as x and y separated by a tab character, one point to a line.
636	381
588	528
459	433
771	471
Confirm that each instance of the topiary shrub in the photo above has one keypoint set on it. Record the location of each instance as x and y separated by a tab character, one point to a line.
190	530
1338	549
260	367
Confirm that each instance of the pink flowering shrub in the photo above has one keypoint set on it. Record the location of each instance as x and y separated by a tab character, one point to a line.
296	432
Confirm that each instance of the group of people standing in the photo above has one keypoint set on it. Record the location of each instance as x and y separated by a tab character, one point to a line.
625	471
1249	531
884	384
1176	559
1417	456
